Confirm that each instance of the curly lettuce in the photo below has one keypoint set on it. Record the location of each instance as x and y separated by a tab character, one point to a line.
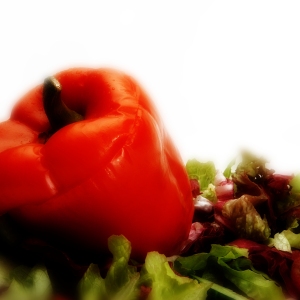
246	220
125	282
204	173
229	266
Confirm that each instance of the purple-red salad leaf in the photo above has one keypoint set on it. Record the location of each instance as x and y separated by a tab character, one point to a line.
202	236
224	188
259	210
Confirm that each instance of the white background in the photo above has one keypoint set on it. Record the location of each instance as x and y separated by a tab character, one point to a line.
225	75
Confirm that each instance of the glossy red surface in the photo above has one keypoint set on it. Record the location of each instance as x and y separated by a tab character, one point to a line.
115	172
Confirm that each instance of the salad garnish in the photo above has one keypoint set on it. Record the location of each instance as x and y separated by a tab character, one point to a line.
244	243
258	210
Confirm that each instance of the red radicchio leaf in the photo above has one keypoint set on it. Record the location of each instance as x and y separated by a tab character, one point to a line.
195	187
220	219
279	185
295	273
204	210
144	292
201	236
224	188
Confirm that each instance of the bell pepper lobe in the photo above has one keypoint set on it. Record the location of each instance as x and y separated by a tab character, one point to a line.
84	156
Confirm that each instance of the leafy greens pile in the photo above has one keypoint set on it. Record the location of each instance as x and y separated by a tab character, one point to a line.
194	277
253	208
244	243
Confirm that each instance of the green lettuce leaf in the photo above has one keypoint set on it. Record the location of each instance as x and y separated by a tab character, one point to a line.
205	173
124	282
228	170
293	200
286	240
28	284
165	284
210	193
293	238
229	266
280	242
220	292
121	281
254	167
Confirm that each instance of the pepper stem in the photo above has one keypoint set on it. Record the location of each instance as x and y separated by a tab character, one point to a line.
58	114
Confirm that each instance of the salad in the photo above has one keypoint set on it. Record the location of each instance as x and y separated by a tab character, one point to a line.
244	243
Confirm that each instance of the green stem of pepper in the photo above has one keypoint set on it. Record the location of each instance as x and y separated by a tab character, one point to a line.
58	114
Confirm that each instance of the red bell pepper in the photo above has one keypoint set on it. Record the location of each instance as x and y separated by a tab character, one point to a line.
84	156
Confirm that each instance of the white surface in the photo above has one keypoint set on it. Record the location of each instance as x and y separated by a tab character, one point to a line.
225	75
